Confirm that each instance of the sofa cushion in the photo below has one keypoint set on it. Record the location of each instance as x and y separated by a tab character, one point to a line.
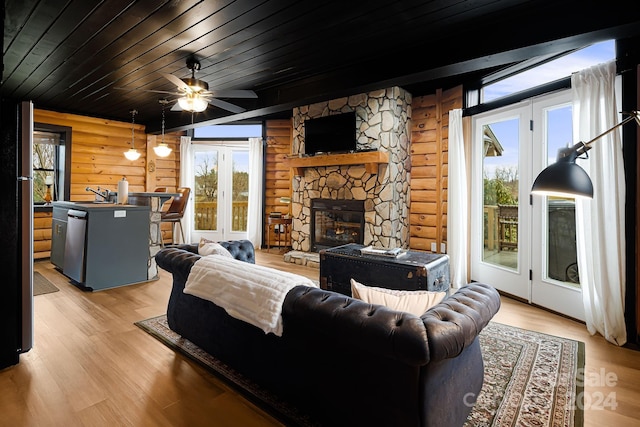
209	247
414	302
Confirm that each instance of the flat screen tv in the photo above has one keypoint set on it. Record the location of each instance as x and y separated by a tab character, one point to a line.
330	134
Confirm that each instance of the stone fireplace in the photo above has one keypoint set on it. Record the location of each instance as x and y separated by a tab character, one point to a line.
382	124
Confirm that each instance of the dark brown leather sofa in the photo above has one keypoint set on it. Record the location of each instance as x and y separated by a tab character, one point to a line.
343	361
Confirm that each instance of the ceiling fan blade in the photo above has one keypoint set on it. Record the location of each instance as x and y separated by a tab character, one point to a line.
226	105
233	93
182	86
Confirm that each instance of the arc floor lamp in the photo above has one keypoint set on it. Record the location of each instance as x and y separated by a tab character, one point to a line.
565	178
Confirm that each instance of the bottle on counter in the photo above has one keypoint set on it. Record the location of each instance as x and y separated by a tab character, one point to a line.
123	191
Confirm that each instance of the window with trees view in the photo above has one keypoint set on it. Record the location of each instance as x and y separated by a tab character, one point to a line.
51	148
502	187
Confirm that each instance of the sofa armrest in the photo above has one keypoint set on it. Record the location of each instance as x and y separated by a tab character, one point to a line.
454	323
177	261
190	247
351	323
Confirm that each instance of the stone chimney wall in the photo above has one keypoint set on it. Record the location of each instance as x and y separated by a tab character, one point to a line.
383	120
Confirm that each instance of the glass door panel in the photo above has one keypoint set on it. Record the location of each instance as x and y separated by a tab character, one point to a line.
498	218
555	278
206	192
240	193
560	215
500	193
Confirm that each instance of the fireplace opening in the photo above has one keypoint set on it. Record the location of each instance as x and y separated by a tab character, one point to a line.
336	222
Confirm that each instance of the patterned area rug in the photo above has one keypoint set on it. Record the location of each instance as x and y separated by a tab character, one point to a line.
530	378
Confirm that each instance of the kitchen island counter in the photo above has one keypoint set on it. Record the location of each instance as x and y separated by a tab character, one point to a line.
101	245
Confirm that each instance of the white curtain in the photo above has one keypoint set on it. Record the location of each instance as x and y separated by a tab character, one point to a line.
600	222
457	214
186	168
254	209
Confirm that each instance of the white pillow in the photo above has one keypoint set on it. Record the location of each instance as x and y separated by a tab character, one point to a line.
208	247
414	302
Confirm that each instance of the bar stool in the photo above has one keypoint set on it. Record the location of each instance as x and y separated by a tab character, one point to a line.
175	212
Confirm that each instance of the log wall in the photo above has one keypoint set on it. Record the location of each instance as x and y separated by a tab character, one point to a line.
429	167
97	159
277	175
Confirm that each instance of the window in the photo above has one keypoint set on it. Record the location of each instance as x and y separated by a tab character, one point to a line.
539	73
228	131
45	150
51	163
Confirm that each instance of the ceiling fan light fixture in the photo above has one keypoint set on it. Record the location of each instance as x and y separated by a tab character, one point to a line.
196	85
192	103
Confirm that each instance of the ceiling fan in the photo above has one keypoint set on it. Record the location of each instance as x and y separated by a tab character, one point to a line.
194	94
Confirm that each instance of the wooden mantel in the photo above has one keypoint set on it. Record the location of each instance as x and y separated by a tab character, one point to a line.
370	159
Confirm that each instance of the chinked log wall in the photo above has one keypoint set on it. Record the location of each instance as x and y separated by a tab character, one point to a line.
429	166
97	159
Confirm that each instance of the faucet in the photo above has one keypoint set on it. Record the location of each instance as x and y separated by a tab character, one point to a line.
98	193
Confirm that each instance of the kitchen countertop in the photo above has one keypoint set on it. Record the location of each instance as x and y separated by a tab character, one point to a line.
153	194
87	205
145	197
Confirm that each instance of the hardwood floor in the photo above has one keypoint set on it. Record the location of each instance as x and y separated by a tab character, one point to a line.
92	366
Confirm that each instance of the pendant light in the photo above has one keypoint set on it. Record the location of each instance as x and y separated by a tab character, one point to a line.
162	149
132	154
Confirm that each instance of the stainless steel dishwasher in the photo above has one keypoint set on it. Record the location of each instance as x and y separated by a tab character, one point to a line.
74	248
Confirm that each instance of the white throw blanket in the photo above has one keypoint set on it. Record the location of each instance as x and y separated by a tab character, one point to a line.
248	292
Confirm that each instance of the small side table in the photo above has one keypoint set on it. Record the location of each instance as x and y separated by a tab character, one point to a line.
283	227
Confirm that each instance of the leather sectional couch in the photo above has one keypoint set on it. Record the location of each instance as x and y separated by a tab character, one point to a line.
343	361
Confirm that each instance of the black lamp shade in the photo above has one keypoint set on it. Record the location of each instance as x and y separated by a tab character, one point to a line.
564	179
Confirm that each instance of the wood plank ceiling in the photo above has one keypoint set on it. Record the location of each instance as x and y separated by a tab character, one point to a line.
104	58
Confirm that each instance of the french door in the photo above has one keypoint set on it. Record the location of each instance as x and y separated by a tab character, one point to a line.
221	182
524	246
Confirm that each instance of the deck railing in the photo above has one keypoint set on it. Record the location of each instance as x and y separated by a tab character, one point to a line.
206	215
500	227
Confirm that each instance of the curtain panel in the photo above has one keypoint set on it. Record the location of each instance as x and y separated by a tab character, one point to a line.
458	210
186	166
600	222
254	209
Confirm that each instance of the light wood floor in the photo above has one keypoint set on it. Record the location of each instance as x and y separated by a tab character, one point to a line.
91	366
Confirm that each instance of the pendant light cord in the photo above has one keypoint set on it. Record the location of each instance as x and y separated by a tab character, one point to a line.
163	104
133	123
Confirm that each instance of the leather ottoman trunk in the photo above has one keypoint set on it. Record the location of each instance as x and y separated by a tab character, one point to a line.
411	271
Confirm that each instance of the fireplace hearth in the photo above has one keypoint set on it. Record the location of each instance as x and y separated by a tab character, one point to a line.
336	222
